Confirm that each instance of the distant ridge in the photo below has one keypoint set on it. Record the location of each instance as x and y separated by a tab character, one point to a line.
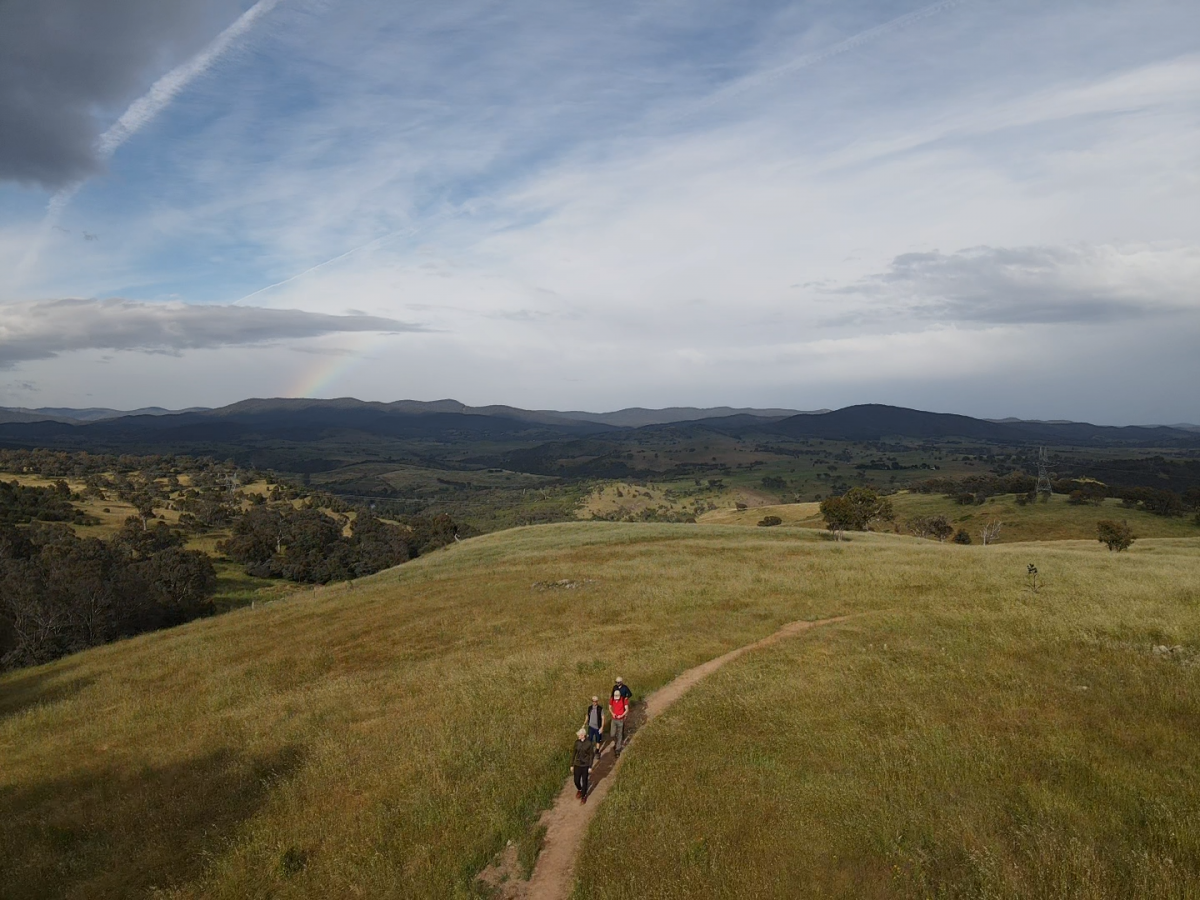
639	417
90	414
297	422
873	422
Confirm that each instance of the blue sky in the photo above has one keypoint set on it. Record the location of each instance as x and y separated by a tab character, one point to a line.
978	207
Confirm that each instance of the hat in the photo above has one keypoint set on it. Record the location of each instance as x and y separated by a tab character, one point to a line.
618	679
595	699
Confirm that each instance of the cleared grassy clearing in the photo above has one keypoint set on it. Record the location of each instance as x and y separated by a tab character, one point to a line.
674	498
807	515
236	589
979	740
1056	520
381	739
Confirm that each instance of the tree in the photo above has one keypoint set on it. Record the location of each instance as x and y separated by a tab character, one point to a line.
962	536
1116	536
855	510
377	545
990	532
935	527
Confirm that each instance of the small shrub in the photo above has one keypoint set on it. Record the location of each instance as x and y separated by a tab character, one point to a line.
1114	535
768	521
962	536
293	861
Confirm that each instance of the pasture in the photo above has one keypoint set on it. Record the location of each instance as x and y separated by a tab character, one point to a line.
388	737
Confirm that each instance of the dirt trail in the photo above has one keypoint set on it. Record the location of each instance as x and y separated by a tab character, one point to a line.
567	820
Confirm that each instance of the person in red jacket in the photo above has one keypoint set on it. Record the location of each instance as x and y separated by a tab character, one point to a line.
618	708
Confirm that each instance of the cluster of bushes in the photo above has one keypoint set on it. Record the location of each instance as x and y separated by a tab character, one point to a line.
976	489
62	593
20	504
307	545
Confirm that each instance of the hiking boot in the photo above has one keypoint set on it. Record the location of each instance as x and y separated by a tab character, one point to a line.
583	799
578	794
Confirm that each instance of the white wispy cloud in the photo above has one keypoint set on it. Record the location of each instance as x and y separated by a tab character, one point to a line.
677	186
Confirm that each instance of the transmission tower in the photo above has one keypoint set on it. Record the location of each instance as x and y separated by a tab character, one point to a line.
1044	488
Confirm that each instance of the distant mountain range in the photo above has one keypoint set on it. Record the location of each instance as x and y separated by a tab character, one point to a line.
91	414
347	422
633	417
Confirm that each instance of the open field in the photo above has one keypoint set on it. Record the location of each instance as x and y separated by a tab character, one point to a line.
386	738
616	500
1000	743
1055	520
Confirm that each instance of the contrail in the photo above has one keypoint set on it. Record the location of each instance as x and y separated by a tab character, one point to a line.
166	88
145	108
812	59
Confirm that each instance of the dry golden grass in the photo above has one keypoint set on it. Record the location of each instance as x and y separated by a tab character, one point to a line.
807	515
975	740
386	738
383	739
625	498
1056	520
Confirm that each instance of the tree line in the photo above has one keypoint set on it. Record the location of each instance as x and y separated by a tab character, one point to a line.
62	593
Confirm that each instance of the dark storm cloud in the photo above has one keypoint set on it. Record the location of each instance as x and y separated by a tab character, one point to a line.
68	68
46	328
1033	285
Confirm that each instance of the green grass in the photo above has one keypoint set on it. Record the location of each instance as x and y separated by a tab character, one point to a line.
387	738
236	589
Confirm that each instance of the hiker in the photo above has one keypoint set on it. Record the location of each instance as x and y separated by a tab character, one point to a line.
594	723
582	759
623	688
618	708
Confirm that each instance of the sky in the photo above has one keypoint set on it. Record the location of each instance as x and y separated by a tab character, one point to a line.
970	206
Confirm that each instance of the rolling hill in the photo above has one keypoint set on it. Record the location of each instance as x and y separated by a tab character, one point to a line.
961	735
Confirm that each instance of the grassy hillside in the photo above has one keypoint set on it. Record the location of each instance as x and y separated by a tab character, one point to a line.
386	738
1056	520
984	741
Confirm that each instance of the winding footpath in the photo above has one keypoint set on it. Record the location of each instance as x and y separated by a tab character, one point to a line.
566	822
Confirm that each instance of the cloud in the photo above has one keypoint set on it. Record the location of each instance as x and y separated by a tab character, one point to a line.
63	62
1033	285
46	328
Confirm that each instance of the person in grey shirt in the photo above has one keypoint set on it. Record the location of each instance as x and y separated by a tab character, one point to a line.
594	723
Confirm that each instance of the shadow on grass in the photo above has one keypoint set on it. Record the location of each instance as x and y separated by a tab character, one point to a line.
118	832
23	691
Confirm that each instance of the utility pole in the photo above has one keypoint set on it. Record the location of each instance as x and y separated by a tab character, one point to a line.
1044	489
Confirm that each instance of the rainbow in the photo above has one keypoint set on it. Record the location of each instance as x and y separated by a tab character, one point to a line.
329	369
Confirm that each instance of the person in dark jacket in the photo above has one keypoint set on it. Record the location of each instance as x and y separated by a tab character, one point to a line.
622	688
582	758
